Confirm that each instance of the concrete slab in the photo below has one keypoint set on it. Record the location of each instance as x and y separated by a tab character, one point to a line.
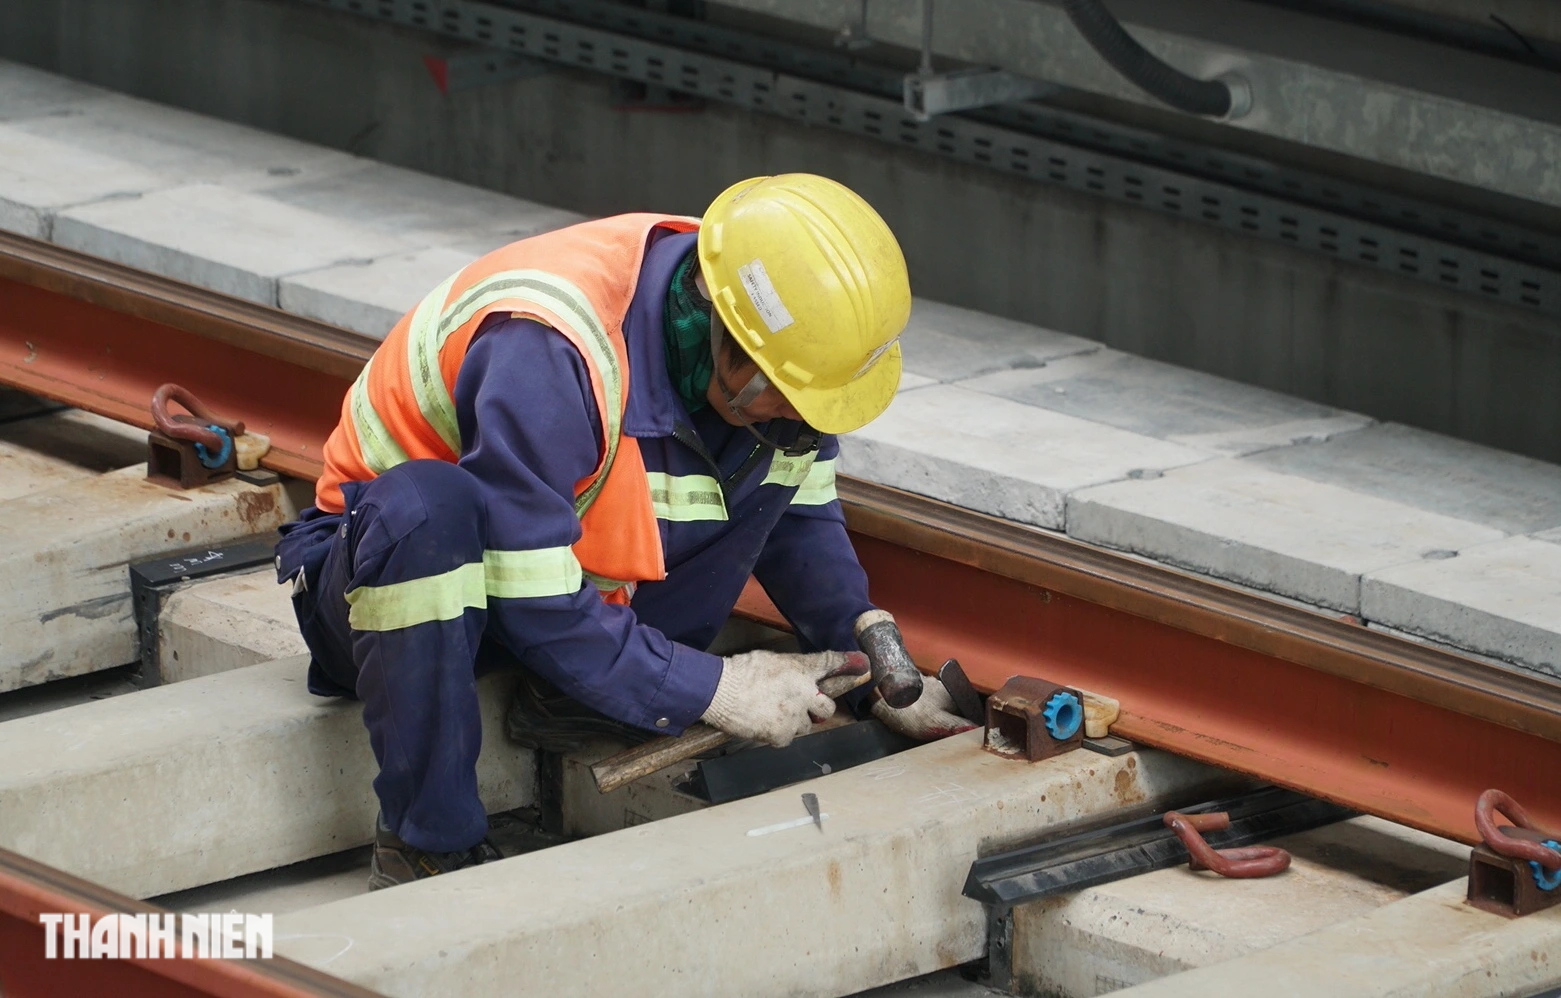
39	176
946	343
370	296
226	623
26	92
1172	403
183	147
330	878
48	450
1426	470
379	196
66	550
989	454
1429	945
1238	521
873	899
1147	927
70	692
1501	599
202	781
215	237
587	811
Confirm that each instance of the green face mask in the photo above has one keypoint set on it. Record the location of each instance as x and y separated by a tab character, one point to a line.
685	324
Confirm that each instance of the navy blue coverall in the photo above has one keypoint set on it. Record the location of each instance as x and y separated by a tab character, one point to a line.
529	431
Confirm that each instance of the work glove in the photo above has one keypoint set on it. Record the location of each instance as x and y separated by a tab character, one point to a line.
773	697
932	716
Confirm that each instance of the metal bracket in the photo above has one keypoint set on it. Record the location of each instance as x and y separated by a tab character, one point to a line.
1111	852
1513	870
757	770
1508	886
151	580
1033	719
853	35
931	94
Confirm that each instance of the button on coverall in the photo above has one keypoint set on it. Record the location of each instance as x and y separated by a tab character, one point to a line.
529	431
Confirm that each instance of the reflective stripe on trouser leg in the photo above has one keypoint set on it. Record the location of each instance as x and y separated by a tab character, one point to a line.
420	520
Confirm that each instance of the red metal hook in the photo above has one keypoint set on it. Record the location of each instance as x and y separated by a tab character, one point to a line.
1485	808
1243	863
195	427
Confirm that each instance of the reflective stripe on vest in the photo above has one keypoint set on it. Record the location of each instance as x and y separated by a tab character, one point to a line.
612	587
431	325
380	450
686	498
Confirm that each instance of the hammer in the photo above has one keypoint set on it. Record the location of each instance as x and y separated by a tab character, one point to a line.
895	676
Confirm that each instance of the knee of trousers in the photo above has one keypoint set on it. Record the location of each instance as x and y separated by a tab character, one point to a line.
429	509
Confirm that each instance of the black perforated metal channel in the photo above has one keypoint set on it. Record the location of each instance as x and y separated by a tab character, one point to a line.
1248	195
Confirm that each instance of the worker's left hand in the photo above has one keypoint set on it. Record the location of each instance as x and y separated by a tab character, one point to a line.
932	716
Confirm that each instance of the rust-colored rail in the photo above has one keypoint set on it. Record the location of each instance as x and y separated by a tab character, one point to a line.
28	889
1206	670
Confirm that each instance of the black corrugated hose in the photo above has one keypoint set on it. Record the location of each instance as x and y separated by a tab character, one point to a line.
1185	93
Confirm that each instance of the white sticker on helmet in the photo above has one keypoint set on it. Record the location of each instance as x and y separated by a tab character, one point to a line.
872	358
766	300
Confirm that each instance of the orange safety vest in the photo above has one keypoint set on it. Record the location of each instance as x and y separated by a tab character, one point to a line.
578	281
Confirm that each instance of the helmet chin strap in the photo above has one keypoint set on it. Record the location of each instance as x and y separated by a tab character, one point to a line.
737	405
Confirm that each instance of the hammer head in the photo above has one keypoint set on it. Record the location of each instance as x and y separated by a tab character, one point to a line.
895	676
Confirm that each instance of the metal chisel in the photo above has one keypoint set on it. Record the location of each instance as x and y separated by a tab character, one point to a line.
810	801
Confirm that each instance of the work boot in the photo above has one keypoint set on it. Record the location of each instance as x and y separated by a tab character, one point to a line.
396	862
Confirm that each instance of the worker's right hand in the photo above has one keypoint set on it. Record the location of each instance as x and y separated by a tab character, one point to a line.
773	697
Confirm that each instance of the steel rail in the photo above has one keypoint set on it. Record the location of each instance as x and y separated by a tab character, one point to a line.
1246	681
29	889
103	336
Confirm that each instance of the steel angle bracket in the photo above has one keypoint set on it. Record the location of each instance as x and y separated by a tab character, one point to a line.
930	94
1101	855
152	580
1126	849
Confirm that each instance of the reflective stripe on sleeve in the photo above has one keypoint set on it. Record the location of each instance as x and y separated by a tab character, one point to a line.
818	489
417	601
789	471
685	498
539	572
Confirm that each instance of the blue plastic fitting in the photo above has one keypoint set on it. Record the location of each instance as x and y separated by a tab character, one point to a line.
1063	715
1547	880
222	456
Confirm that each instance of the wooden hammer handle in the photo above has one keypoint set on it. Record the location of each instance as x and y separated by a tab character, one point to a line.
655	755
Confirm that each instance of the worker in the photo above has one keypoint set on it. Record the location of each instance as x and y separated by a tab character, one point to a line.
570	456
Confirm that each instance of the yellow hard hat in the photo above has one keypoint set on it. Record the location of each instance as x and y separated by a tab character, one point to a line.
811	284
